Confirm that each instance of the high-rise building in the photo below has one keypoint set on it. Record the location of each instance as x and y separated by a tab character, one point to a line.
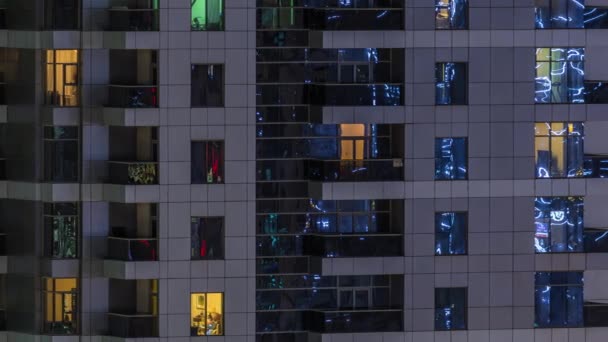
304	170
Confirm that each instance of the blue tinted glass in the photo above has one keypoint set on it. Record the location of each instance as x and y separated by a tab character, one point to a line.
558	299
450	234
560	14
595	18
451	84
451	14
560	75
450	158
559	224
450	308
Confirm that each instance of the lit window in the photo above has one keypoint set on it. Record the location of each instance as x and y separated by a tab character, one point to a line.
560	75
450	233
206	314
61	230
451	14
207	162
207	15
559	149
559	224
450	158
207	238
61	162
61	305
558	299
451	84
61	85
451	308
207	87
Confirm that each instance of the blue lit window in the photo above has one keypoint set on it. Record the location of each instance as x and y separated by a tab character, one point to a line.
451	308
451	14
451	84
560	14
559	149
559	224
558	299
560	75
451	233
450	158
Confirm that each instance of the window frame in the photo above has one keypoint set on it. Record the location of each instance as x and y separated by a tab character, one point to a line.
200	227
439	6
206	311
537	62
452	294
204	86
206	28
49	165
571	130
48	326
466	159
63	66
222	167
49	245
452	84
568	285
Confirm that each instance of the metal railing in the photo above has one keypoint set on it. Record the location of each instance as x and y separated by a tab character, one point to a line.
132	173
132	249
132	96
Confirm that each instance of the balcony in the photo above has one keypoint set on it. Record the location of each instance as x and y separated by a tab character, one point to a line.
132	173
355	245
132	96
595	240
595	314
124	18
356	170
132	325
330	18
358	321
595	166
132	249
596	92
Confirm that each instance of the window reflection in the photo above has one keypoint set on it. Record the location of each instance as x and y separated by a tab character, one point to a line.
451	84
560	75
451	158
450	308
559	149
450	233
206	314
451	14
558	299
61	230
61	75
559	224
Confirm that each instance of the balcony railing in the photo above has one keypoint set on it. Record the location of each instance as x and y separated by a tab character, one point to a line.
132	96
132	326
133	173
356	170
595	314
132	249
379	94
595	166
328	18
133	19
357	321
596	92
356	245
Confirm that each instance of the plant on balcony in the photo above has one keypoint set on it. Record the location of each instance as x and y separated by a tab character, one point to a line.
142	174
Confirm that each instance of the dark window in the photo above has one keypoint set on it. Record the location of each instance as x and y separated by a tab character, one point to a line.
61	14
61	230
207	238
559	224
207	88
450	158
560	75
207	162
558	299
451	14
559	149
61	153
451	84
451	308
451	233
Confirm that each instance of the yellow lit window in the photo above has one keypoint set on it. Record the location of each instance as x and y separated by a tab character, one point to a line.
61	78
206	314
352	143
60	300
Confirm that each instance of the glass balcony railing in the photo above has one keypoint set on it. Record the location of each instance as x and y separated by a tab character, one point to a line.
133	19
357	321
356	170
133	173
132	326
596	92
595	166
384	94
356	245
595	314
132	96
132	249
330	18
595	240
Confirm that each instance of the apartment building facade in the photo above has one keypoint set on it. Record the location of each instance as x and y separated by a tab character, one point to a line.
303	170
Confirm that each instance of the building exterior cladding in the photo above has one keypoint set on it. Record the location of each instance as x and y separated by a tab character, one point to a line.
303	170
